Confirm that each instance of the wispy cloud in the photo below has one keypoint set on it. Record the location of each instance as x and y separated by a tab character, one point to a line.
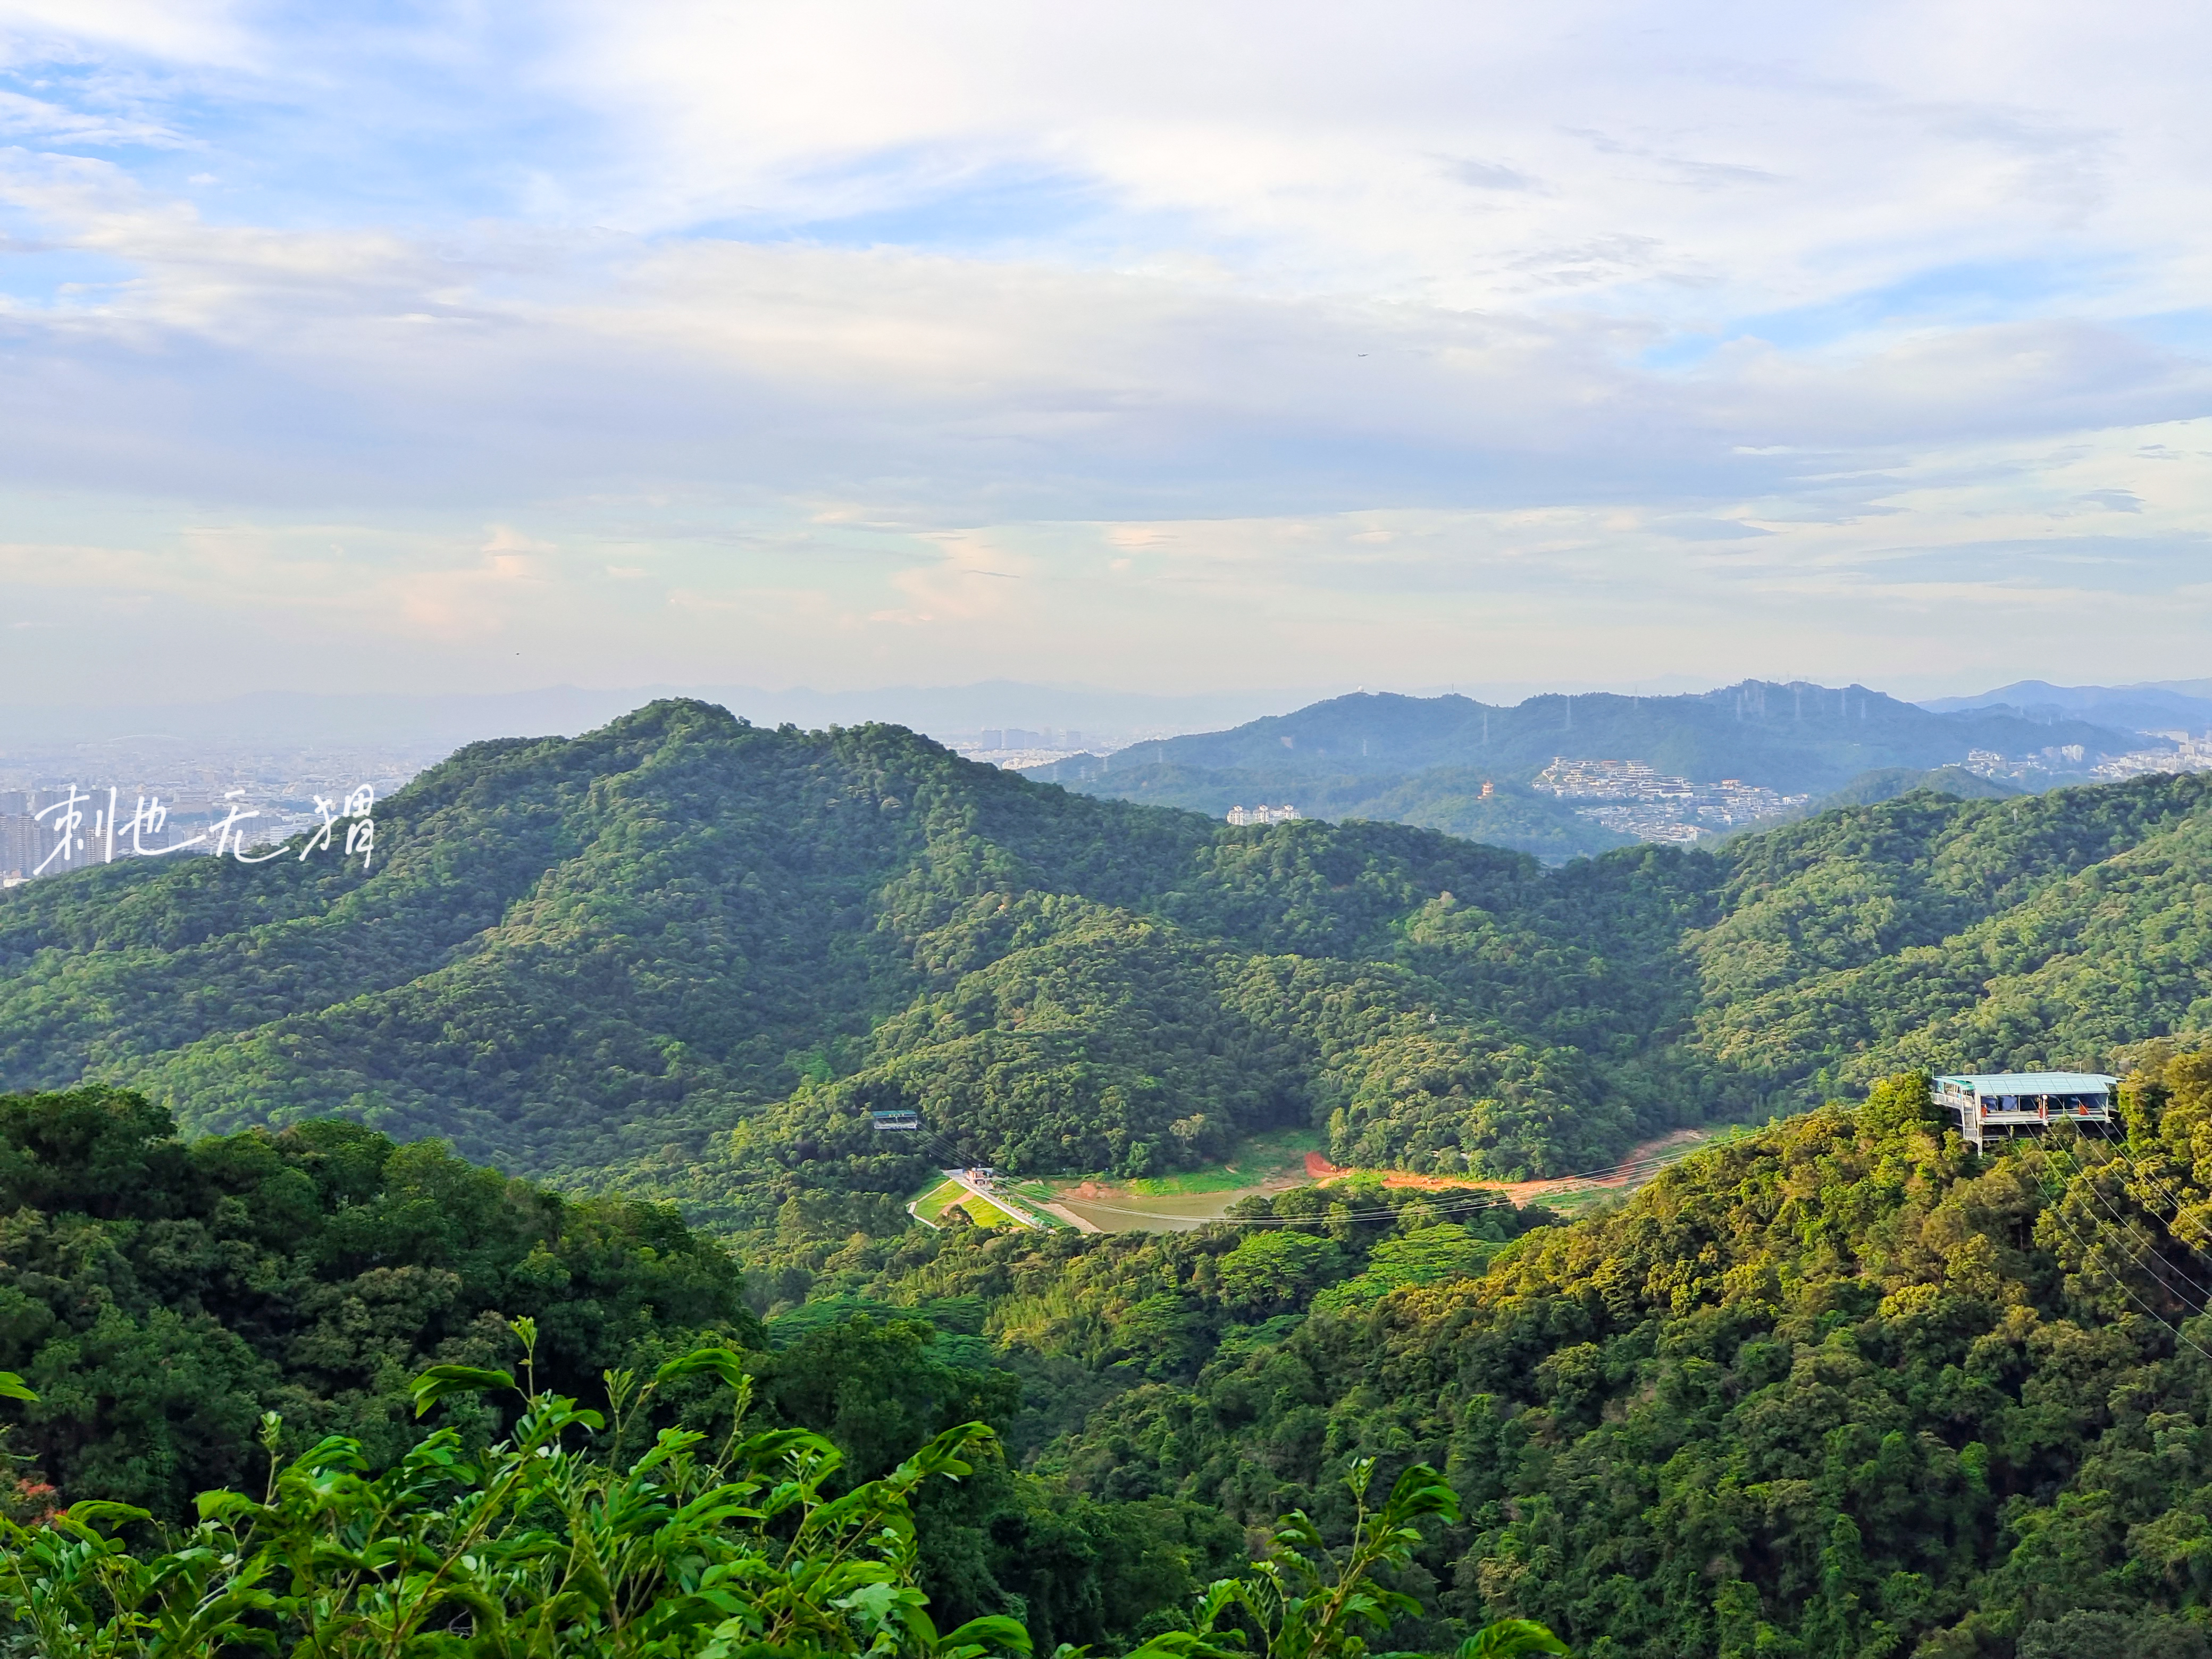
997	330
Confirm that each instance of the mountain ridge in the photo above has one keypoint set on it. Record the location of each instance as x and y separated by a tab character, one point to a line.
1424	761
686	956
2150	707
1791	737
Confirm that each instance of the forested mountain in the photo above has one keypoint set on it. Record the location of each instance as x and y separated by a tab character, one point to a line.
1835	1389
685	957
598	959
1889	782
157	1298
1423	760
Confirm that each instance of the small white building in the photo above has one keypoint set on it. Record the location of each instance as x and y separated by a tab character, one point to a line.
2011	1102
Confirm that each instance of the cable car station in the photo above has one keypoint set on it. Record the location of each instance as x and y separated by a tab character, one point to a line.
2014	1102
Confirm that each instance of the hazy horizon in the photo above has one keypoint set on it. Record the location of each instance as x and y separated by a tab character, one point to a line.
433	722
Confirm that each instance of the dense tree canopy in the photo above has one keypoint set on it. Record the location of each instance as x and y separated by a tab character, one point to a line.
160	1295
685	957
1835	1389
158	1298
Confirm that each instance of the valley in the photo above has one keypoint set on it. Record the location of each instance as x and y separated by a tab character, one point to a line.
1267	1165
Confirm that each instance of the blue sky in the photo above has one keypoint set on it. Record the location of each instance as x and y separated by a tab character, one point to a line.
1151	347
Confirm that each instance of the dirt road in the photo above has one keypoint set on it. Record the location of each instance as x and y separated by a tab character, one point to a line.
1633	1170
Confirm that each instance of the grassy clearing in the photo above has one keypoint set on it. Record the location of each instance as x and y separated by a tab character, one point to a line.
1269	1163
1174	1212
1260	1159
931	1205
1673	1147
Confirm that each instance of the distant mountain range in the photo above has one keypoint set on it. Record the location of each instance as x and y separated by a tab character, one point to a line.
1449	762
1423	760
2164	706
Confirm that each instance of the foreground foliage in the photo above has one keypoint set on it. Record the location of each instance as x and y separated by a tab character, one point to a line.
554	1541
161	1295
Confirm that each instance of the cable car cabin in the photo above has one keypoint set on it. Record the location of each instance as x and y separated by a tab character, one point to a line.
2013	1102
902	1118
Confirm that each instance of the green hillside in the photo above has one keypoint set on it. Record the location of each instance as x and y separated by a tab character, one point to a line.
685	955
1836	1388
1987	934
159	1296
1889	782
685	958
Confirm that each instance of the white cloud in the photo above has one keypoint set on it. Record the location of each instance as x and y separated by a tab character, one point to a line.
193	32
1310	141
1010	332
57	124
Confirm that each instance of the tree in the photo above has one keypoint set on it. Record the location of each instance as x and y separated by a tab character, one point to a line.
605	1536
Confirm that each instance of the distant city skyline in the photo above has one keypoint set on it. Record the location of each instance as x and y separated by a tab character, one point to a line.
486	347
